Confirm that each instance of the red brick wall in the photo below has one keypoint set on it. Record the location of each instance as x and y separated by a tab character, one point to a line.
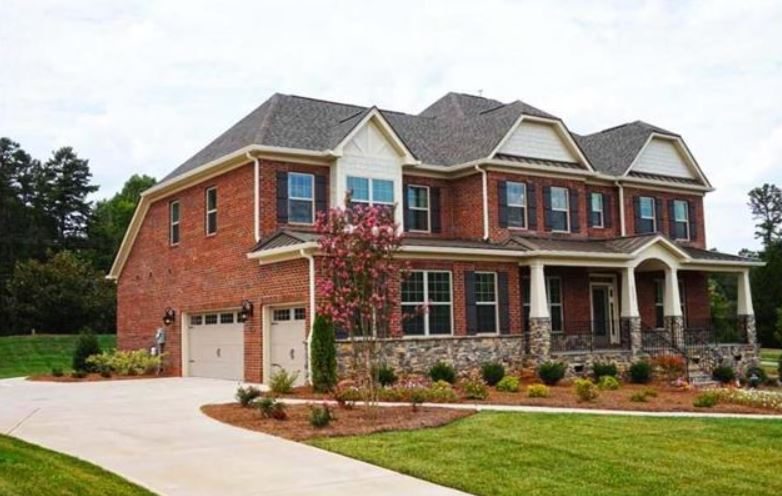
268	201
697	201
696	296
467	207
446	204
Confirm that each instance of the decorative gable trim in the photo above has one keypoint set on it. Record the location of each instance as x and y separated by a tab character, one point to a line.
683	150
375	117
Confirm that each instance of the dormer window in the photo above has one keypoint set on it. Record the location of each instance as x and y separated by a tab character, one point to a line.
681	220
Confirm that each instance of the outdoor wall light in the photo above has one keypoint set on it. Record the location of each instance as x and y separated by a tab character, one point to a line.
246	311
169	316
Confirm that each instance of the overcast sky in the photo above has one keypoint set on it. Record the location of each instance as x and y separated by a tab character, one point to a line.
138	87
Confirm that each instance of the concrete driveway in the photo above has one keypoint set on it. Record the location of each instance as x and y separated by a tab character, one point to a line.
152	432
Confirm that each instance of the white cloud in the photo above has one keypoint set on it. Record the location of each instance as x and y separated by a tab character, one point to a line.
140	86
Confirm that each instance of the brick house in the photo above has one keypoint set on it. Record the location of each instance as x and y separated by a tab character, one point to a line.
531	242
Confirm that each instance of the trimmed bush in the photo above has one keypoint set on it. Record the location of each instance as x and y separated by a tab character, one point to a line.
608	383
417	396
586	390
324	355
320	416
604	369
508	384
271	408
386	375
641	372
755	376
441	392
706	399
551	372
281	382
442	371
246	395
474	388
639	397
538	391
86	346
492	373
136	362
724	374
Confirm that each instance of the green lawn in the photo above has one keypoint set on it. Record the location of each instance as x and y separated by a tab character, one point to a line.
26	469
770	354
26	355
515	453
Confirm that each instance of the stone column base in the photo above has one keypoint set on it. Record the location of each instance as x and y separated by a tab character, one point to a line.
539	339
675	327
747	322
631	329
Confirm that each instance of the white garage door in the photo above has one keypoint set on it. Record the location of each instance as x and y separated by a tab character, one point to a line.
287	341
216	346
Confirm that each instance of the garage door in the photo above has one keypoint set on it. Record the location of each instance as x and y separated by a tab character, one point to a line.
287	341
216	346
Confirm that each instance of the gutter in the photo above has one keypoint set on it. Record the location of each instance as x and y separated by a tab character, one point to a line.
256	195
311	260
621	207
485	184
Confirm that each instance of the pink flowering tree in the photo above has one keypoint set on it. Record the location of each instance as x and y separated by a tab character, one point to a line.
359	280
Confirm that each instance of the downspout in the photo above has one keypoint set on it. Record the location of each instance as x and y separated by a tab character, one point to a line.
256	196
311	260
623	231
485	183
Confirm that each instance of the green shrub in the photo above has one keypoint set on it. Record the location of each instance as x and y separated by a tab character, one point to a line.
474	388
441	392
641	372
57	371
418	395
136	362
551	372
386	375
755	376
324	355
538	391
347	397
639	397
651	393
246	395
586	390
271	408
78	374
442	371
492	373
86	346
724	374
508	384
608	383
281	382
320	416
707	399
600	369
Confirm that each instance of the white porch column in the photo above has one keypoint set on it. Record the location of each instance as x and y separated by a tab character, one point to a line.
672	300
744	303
538	300
629	294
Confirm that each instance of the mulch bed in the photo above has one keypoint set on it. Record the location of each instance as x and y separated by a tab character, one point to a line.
91	378
347	422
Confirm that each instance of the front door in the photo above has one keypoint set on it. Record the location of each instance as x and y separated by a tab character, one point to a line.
604	326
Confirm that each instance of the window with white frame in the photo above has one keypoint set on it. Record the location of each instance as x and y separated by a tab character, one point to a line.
681	220
427	306
371	191
554	292
174	218
418	203
517	204
301	198
597	210
486	301
211	211
560	209
647	214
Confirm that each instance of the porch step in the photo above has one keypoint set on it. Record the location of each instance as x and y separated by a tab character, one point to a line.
701	379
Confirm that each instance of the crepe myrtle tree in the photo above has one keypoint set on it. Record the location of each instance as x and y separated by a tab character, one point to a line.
359	280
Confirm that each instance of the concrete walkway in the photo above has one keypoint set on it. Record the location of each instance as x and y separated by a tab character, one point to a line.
153	433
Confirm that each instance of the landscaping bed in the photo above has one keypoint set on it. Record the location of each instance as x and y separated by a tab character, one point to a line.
346	422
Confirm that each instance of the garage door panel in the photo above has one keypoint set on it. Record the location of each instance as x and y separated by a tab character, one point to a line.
287	345
216	350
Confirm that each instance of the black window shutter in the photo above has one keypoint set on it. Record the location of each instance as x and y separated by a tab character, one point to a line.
282	197
693	221
321	202
434	206
575	222
608	213
590	222
469	299
637	213
532	207
502	200
504	305
671	220
408	214
547	207
658	212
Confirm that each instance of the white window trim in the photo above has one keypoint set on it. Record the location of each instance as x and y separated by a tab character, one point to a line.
523	206
172	222
427	301
653	218
496	304
686	220
371	190
208	211
659	289
602	224
551	305
428	208
301	198
566	209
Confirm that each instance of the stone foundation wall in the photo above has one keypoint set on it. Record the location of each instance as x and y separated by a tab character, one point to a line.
580	363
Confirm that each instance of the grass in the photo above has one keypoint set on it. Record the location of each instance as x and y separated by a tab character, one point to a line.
28	469
27	355
516	453
770	354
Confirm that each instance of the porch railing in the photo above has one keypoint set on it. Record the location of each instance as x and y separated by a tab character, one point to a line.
715	331
583	337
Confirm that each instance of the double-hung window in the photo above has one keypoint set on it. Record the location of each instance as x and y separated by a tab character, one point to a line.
647	214
418	203
174	218
211	211
517	204
486	301
371	191
597	210
427	303
554	292
560	209
301	198
681	219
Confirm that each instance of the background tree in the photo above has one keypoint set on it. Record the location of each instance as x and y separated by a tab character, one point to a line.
766	205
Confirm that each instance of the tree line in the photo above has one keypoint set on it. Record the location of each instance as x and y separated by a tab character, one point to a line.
56	245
